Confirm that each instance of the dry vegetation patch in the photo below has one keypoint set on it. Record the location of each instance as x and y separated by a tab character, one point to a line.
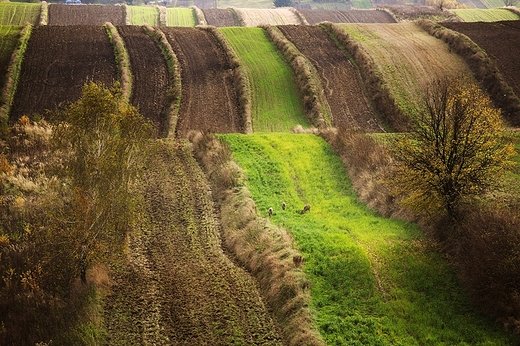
257	17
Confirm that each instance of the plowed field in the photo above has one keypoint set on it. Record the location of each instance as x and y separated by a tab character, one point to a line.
57	62
353	16
209	100
341	81
176	286
220	17
150	73
60	14
501	41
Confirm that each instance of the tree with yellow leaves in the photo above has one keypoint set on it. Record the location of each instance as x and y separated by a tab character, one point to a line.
458	150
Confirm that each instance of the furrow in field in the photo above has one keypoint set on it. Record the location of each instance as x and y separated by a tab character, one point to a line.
351	16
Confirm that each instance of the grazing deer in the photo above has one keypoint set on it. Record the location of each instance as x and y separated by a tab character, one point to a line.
284	205
306	209
270	211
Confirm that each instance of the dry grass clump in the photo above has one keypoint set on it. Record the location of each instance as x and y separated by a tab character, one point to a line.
201	19
44	13
163	15
122	59
513	9
307	79
482	67
384	103
264	249
300	16
408	12
241	80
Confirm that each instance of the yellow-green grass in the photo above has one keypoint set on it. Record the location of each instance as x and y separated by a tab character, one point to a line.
375	281
19	13
275	105
140	15
487	15
407	59
255	17
9	36
181	17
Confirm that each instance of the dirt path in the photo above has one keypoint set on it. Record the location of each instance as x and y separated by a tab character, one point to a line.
177	287
151	76
341	81
209	100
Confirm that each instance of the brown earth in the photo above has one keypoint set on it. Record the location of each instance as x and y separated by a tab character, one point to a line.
58	61
352	16
176	286
340	79
209	100
501	42
60	14
220	17
151	78
408	12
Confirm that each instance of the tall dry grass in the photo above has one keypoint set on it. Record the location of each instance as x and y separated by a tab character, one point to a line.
122	60
307	79
201	19
163	15
264	249
300	16
44	13
240	78
484	69
383	101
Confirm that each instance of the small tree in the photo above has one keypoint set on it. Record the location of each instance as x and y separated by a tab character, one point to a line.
456	151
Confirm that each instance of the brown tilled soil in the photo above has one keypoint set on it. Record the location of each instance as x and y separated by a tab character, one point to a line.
176	286
408	12
209	100
501	42
58	61
352	16
220	17
151	78
60	14
340	79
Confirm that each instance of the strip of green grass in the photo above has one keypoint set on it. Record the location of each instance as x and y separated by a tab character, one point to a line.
140	15
488	15
9	36
181	17
375	281
19	13
275	104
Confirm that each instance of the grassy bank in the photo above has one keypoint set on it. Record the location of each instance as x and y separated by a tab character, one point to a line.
375	281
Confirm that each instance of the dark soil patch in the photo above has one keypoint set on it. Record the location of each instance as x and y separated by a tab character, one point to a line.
340	79
352	16
220	17
151	79
500	40
209	100
176	286
58	61
60	14
407	12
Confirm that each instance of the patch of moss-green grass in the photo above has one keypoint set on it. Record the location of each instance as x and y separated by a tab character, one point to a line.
181	17
9	36
375	281
140	15
487	15
275	104
19	13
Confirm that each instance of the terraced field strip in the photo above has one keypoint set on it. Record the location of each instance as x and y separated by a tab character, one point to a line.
181	17
375	281
353	16
58	61
9	36
177	287
220	17
340	79
151	76
407	58
62	14
256	17
486	15
209	100
275	104
19	13
140	15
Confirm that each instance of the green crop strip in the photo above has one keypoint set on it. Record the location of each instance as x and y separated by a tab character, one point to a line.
140	15
275	105
488	15
8	39
19	13
375	281
181	17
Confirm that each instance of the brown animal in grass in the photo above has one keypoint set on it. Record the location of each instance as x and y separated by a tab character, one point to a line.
270	211
306	209
284	205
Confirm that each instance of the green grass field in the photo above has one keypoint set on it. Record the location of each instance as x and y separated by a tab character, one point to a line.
181	17
488	15
275	105
19	13
9	36
375	281
140	15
